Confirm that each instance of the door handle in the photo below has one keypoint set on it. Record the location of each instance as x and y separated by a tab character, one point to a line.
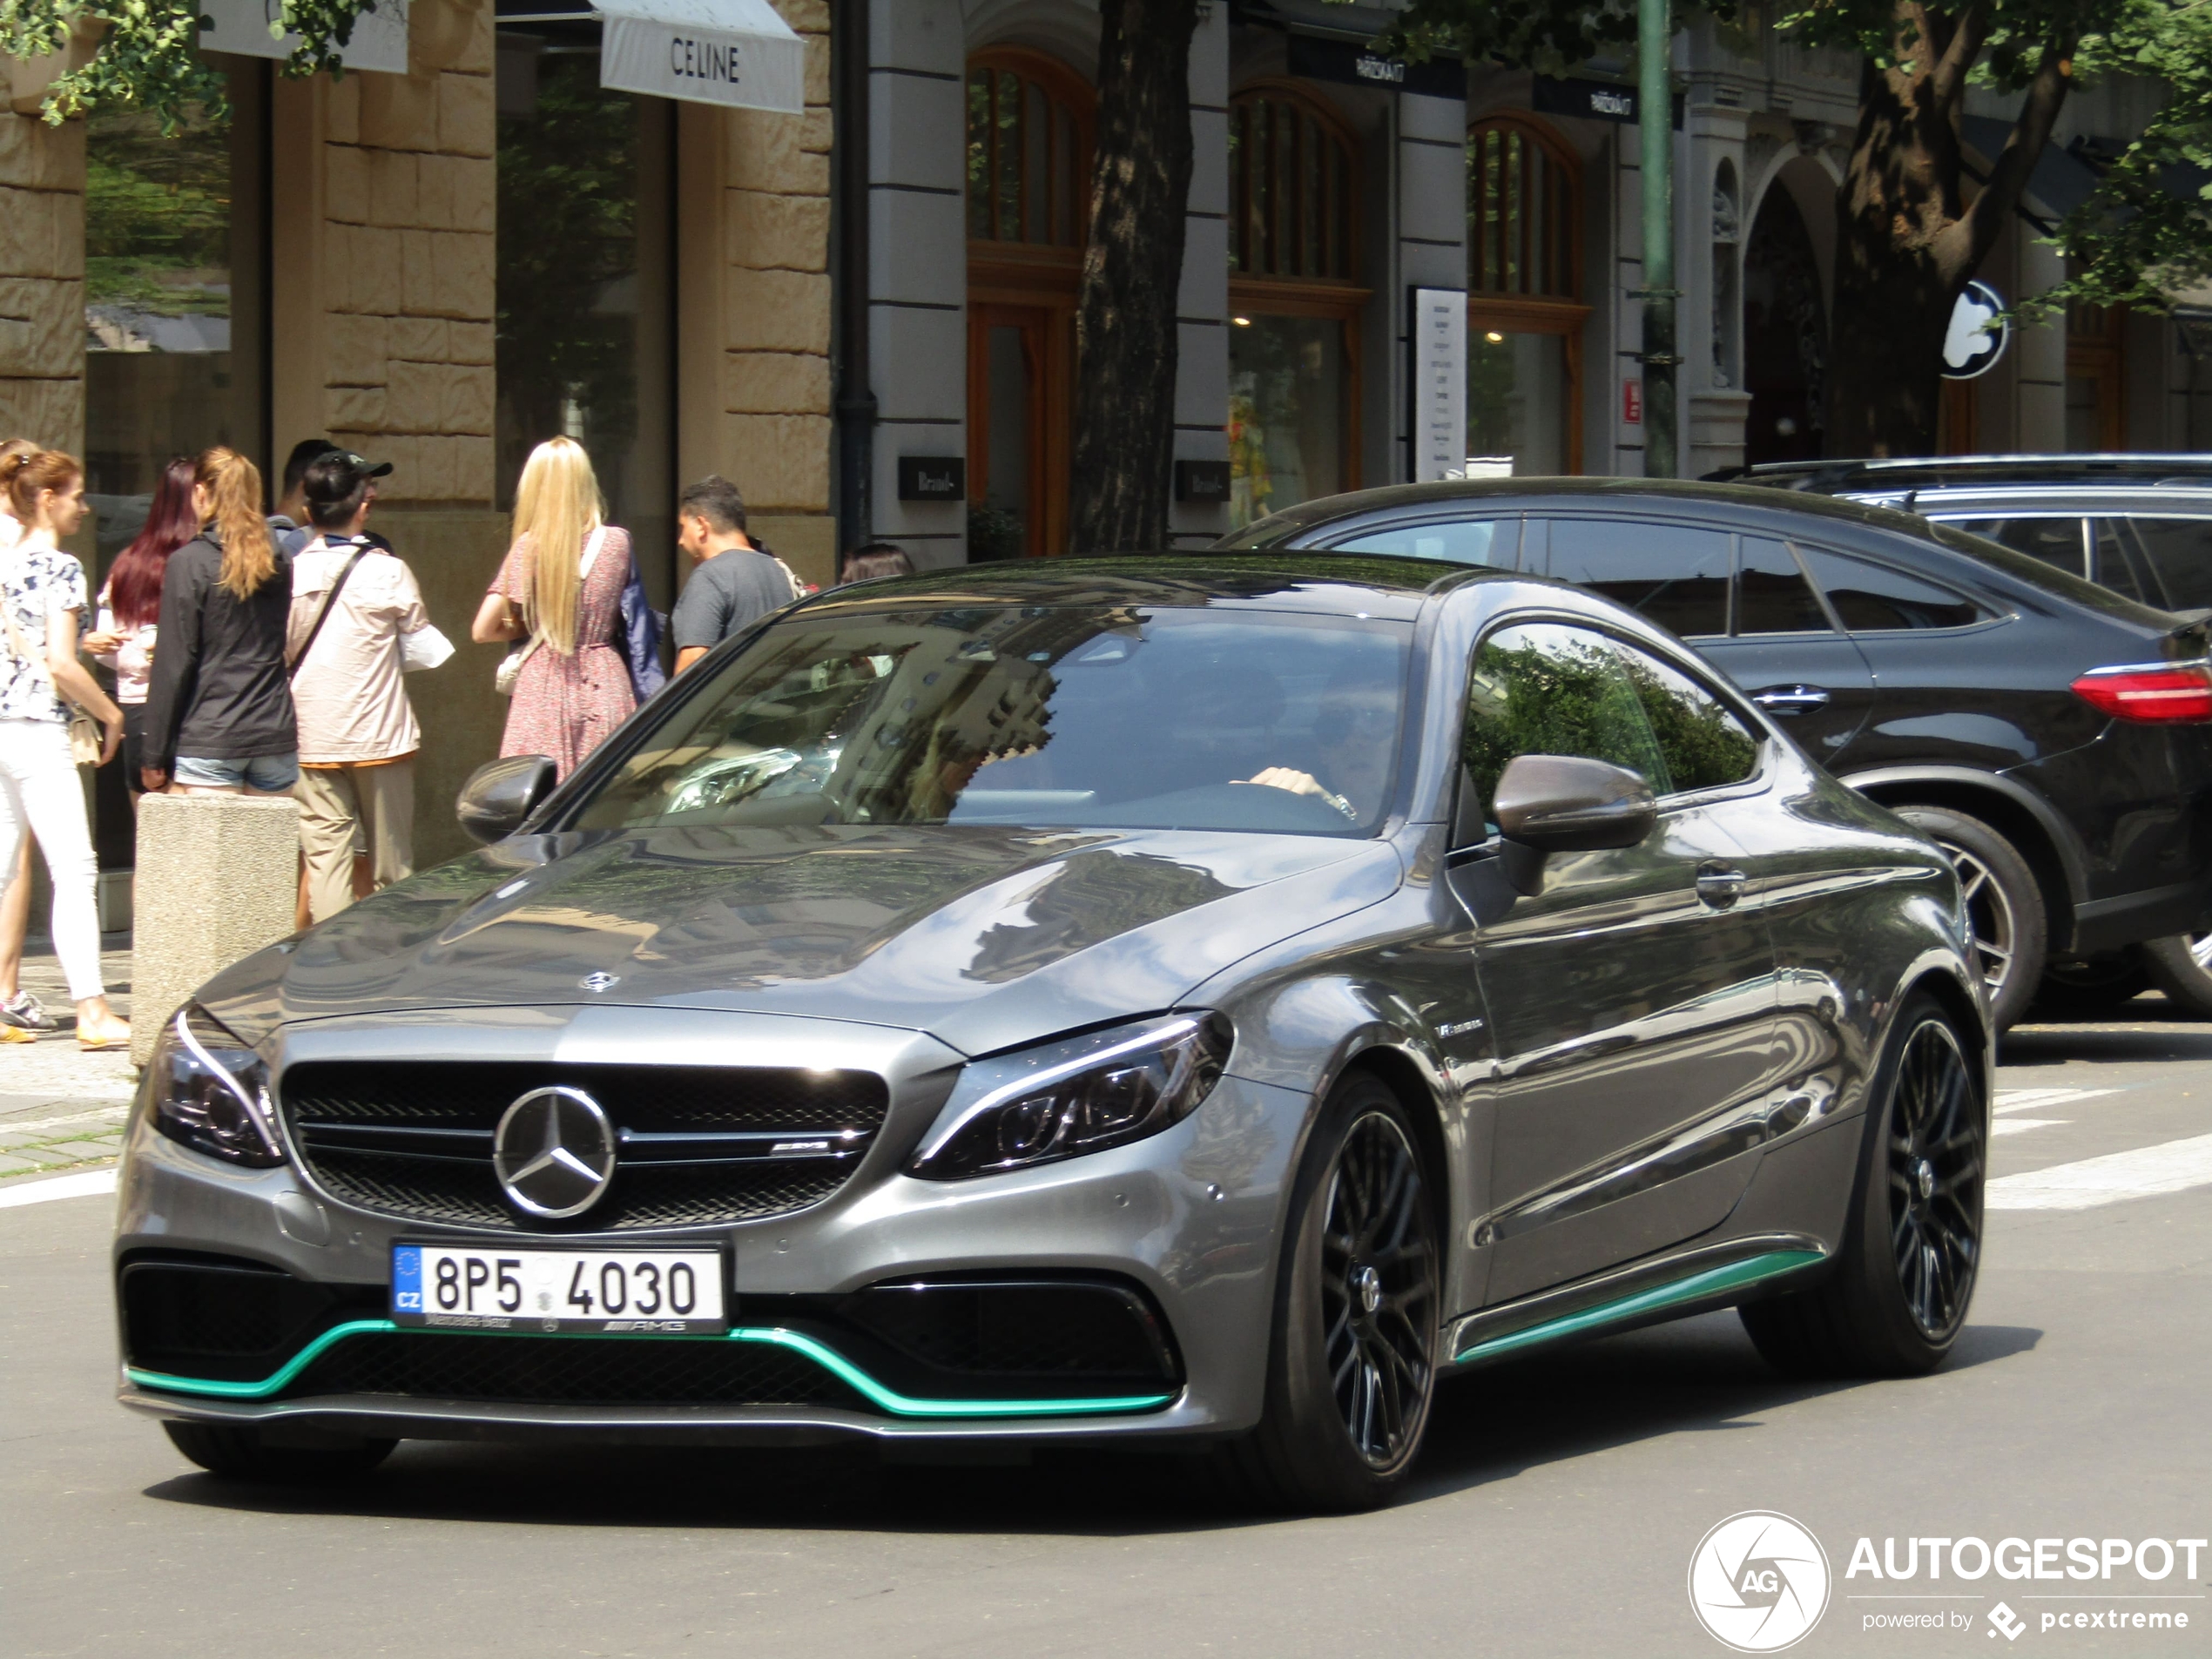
1719	886
1791	700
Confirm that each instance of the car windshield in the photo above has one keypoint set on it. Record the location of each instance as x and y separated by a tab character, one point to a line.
1100	715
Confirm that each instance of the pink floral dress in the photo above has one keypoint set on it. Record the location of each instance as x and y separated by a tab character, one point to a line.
565	706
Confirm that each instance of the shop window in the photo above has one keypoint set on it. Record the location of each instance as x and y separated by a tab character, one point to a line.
1295	300
1525	313
174	308
585	337
1029	192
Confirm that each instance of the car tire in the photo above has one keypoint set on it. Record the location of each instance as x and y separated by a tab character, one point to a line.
2181	967
1351	1360
2073	992
235	1453
1896	1297
2011	929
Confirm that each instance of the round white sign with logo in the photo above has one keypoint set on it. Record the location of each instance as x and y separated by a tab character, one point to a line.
1758	1581
1978	336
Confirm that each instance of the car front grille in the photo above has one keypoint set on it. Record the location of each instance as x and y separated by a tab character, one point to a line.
697	1145
571	1371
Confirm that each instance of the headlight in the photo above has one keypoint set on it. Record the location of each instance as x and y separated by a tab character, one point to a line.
211	1092
1078	1096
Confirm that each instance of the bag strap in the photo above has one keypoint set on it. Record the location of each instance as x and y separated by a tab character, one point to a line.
299	659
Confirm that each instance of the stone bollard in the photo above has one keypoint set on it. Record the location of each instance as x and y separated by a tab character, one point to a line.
218	879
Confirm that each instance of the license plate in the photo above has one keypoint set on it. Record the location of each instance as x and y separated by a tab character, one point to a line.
632	1292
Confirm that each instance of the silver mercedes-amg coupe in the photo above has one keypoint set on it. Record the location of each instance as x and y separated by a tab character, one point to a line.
1202	999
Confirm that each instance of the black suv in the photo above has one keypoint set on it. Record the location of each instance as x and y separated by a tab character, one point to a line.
2139	524
2054	737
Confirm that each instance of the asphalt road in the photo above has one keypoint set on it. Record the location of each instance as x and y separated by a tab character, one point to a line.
1556	1511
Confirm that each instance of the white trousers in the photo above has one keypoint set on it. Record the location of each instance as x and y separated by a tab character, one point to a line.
39	789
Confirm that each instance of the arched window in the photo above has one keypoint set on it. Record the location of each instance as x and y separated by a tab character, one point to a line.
1524	212
1290	176
1028	151
1525	310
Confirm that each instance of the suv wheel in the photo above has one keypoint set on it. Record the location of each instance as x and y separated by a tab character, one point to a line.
236	1452
2003	901
2181	967
1897	1297
1352	1364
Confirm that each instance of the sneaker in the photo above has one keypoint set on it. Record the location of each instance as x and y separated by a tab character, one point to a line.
26	1013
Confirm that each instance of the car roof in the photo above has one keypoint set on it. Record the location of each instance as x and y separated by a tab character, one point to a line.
1936	471
1521	492
2171	497
1271	579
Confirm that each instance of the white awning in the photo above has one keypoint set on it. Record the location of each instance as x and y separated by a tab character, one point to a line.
379	39
708	51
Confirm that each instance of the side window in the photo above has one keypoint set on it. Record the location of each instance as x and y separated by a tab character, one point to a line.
1546	689
2055	541
1674	574
1873	598
2179	552
1701	744
1772	596
1477	541
2116	569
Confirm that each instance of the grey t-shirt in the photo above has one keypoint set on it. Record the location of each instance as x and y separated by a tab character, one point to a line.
728	593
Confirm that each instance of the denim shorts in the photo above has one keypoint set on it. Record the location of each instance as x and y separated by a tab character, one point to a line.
262	775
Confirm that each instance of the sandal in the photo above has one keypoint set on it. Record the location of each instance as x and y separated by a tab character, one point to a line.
17	1033
104	1045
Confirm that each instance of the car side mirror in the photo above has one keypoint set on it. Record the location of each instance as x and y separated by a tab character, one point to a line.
500	794
1565	804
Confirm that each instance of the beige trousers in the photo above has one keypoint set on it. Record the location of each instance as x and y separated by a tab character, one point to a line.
332	799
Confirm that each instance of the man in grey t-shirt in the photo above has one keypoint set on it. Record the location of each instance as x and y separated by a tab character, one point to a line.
736	583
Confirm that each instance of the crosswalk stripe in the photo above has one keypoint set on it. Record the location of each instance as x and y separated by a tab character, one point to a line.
2023	1100
2146	1173
2014	1125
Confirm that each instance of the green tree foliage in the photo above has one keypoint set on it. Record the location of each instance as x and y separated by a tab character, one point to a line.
158	213
148	55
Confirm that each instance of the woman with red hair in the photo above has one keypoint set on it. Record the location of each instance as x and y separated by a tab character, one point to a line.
131	603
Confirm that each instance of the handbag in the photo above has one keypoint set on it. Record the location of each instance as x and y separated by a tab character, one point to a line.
86	740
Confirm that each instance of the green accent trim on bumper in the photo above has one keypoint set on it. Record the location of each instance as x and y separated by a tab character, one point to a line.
1749	1271
828	1359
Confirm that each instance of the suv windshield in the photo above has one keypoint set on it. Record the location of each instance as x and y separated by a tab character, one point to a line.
1110	717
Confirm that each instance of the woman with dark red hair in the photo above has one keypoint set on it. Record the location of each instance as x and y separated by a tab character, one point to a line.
131	603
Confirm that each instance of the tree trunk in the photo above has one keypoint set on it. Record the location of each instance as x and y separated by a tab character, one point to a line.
1125	316
1907	242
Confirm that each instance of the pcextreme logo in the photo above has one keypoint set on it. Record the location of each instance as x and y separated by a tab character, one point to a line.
1758	1581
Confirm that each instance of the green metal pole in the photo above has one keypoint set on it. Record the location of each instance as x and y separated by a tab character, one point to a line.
1654	112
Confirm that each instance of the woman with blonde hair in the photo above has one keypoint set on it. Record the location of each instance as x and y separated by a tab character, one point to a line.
218	703
42	602
560	589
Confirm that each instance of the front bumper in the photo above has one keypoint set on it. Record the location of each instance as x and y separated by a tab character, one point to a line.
1191	1218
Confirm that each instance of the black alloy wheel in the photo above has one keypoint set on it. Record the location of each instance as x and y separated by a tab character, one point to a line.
1902	1275
1379	1290
1352	1360
2181	967
1935	1179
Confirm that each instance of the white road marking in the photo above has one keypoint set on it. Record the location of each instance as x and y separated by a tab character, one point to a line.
2023	1100
2014	1125
2146	1173
91	1184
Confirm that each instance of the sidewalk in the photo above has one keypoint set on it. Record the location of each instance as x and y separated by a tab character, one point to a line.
61	1109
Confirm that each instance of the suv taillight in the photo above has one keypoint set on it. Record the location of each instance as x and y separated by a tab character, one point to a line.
2157	694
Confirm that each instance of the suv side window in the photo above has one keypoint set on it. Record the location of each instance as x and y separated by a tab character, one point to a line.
1543	688
2115	567
1472	541
1701	744
1772	596
1676	574
1873	598
2179	552
2055	541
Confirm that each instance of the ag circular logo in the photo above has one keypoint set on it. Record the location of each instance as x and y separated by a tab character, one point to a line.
1758	1581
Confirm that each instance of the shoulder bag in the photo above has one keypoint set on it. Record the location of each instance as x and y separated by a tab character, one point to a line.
510	672
299	660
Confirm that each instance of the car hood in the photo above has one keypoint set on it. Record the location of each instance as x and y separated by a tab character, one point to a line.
983	937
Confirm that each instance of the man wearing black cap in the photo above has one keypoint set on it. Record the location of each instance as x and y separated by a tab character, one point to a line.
352	602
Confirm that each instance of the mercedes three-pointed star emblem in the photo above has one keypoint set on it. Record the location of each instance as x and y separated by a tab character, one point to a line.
601	981
554	1152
